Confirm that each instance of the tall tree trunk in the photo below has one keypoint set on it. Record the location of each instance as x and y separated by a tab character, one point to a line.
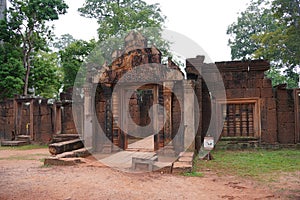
27	67
27	49
25	92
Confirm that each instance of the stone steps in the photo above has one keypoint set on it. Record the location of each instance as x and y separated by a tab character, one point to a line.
184	163
68	158
63	137
15	143
23	138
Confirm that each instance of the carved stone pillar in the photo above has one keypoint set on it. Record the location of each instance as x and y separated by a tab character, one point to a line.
167	91
107	147
88	118
189	115
32	135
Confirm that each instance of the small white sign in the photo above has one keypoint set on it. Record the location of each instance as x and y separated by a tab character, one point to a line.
209	143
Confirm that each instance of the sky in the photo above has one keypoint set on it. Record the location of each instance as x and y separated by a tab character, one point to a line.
203	21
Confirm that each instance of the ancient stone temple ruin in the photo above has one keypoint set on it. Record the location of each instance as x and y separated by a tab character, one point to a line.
137	97
134	98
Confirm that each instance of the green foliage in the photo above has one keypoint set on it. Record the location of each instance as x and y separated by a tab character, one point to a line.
269	30
25	27
285	40
11	71
46	76
64	41
279	78
73	58
255	20
118	17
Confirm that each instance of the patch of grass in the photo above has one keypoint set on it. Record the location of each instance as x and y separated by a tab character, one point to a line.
18	158
25	147
193	174
24	157
258	164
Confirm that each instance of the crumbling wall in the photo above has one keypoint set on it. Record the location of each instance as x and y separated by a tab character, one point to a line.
7	120
246	80
43	121
285	116
67	120
16	119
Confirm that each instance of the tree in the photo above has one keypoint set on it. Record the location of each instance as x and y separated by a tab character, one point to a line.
73	58
284	41
11	71
118	16
46	75
64	41
255	20
269	30
25	27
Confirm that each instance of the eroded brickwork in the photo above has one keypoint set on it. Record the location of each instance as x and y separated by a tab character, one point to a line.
285	115
7	125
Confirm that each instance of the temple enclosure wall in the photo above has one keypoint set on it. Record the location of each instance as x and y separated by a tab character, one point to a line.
253	110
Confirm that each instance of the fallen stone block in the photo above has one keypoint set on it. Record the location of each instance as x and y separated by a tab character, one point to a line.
61	147
14	143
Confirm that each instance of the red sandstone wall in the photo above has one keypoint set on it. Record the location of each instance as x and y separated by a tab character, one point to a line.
68	125
43	119
247	80
43	122
6	119
285	116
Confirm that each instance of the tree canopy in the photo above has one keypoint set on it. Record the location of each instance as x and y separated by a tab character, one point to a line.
46	75
73	58
269	30
24	28
117	16
11	71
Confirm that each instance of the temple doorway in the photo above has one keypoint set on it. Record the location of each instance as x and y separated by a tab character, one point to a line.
137	113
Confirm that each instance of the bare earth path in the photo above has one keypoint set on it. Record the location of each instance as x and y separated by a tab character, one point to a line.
22	176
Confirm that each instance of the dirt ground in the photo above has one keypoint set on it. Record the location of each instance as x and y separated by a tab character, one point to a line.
23	176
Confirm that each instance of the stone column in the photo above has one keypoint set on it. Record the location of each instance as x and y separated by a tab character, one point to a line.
88	118
189	115
31	120
57	119
107	143
168	149
167	91
15	109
